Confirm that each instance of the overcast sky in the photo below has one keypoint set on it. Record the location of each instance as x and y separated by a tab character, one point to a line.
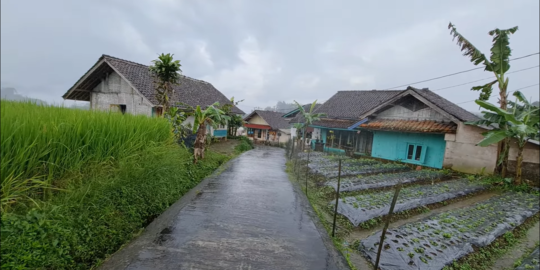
265	51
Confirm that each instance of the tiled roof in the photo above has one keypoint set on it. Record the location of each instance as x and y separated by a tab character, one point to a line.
334	123
446	105
352	104
293	114
274	119
411	126
190	91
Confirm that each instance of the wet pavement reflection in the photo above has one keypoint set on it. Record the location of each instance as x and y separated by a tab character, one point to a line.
248	217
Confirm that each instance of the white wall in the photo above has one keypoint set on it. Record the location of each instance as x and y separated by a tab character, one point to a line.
115	90
463	155
257	120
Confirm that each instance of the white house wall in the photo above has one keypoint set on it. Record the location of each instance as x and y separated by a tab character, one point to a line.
401	113
115	90
257	120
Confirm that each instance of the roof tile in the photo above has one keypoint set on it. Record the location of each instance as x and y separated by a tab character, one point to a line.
427	126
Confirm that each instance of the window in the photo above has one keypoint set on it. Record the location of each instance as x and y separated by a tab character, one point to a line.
259	133
118	108
250	132
416	152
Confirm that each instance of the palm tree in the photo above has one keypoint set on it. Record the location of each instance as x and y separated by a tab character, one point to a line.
522	122
498	64
166	75
309	117
209	116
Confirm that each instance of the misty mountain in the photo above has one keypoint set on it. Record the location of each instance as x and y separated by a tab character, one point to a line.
10	93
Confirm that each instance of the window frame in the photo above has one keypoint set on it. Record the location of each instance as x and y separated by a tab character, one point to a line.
423	150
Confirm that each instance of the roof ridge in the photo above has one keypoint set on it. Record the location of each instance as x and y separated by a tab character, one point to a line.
139	64
373	90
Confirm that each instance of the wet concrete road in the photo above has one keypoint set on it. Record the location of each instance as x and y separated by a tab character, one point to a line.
248	217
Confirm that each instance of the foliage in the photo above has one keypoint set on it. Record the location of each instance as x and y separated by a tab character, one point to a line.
233	121
166	74
498	63
42	143
210	116
176	117
521	121
309	117
77	230
245	145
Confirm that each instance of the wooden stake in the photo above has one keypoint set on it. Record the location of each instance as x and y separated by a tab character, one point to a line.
337	198
307	170
394	200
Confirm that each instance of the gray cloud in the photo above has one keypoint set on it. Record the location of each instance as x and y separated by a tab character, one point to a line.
280	50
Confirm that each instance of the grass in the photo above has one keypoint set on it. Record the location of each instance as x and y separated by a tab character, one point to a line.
80	228
76	185
42	143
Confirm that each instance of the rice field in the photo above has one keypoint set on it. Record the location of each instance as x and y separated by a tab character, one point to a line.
40	143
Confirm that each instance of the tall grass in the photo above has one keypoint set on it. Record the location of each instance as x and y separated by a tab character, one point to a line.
42	143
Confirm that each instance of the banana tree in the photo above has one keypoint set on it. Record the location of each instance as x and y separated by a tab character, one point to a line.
522	122
210	116
309	117
498	64
166	74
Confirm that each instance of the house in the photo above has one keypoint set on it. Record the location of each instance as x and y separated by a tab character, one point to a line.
267	126
343	110
415	126
294	117
125	86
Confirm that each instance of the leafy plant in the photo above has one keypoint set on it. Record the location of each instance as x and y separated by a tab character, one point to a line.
309	117
498	64
166	75
210	116
520	121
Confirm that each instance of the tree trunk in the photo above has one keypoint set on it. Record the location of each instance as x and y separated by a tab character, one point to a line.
504	164
519	162
304	137
502	150
198	147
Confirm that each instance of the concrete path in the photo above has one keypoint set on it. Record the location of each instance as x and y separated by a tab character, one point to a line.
249	216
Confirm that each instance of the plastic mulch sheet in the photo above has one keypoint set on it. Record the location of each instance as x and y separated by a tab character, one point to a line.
354	170
532	261
364	207
347	163
440	239
385	180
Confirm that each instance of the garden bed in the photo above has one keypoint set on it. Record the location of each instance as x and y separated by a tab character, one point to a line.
532	261
364	207
356	170
440	239
385	180
347	163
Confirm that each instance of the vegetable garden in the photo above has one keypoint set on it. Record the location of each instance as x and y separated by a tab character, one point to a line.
448	239
440	239
364	207
385	180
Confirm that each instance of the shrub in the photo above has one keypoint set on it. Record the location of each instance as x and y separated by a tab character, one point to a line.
245	144
76	230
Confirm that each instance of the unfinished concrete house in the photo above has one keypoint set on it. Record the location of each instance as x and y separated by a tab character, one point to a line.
125	86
